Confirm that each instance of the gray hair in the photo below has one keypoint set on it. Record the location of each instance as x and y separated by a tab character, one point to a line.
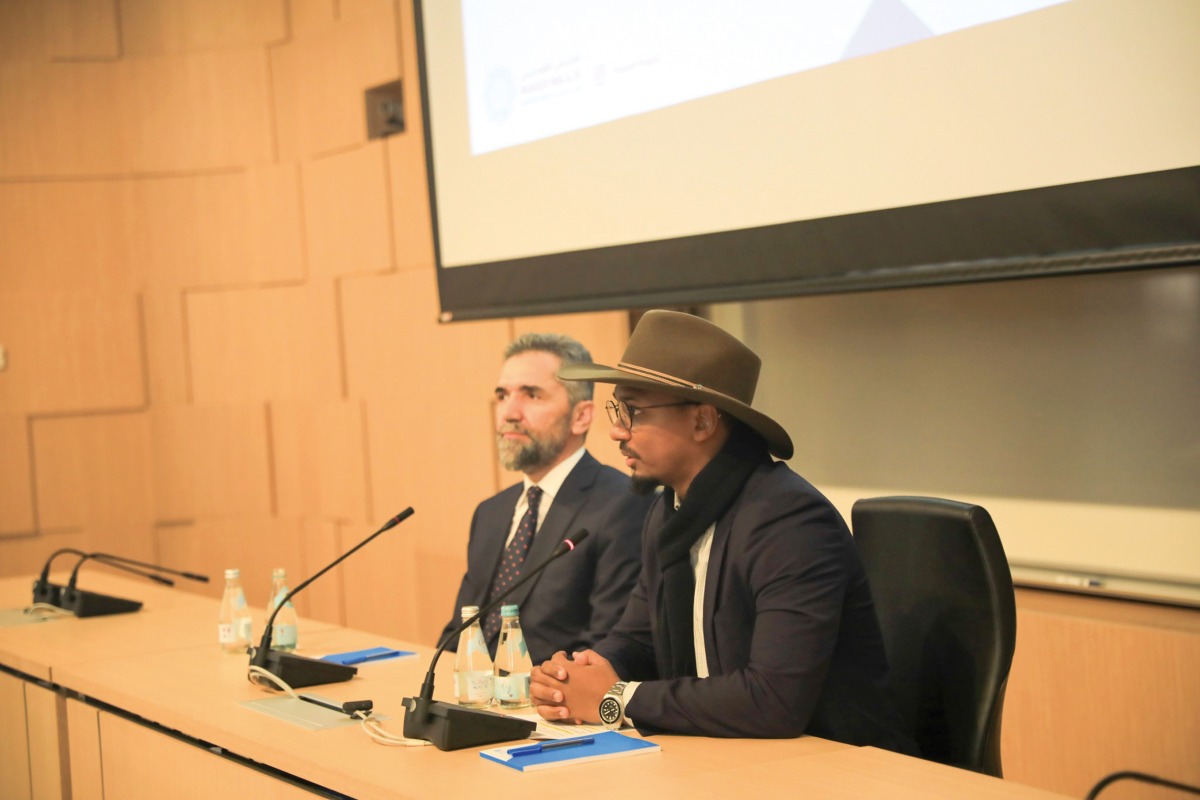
568	350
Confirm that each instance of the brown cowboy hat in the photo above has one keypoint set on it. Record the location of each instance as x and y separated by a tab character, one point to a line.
690	357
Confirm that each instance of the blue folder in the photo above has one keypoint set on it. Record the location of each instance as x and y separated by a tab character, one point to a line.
609	744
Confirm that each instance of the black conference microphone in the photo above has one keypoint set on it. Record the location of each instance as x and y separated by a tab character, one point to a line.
452	727
93	604
299	671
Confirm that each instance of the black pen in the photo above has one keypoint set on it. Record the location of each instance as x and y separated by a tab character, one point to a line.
534	749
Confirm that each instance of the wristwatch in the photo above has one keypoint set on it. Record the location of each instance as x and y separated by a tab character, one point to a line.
612	707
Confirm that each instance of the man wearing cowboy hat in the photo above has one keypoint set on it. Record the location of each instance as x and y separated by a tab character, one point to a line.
752	615
541	424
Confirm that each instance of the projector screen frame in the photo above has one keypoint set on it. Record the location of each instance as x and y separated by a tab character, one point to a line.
1141	221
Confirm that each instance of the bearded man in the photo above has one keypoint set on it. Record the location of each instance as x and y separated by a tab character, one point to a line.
541	424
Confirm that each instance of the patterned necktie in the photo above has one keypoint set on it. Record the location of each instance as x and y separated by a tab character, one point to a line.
510	564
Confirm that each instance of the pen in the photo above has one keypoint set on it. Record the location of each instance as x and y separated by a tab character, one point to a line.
534	749
371	657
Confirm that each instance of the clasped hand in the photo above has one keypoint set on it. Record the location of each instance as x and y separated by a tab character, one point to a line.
571	688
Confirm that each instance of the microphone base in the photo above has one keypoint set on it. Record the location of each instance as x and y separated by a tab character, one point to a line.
451	727
299	671
83	603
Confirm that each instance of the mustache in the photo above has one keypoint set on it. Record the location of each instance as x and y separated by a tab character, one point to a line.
628	452
511	427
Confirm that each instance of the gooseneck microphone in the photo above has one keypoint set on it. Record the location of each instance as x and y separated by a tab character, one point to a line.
94	604
299	671
452	727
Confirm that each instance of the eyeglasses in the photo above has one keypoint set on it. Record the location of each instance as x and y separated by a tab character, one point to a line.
623	414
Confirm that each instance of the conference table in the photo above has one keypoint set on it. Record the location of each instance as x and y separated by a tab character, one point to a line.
146	704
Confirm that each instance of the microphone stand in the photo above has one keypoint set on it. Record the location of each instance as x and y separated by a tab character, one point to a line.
94	604
300	671
449	726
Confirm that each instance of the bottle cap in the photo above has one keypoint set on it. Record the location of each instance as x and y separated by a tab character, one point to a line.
508	611
278	572
469	611
230	574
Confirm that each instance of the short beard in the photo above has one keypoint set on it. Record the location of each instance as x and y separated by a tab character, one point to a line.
539	452
644	486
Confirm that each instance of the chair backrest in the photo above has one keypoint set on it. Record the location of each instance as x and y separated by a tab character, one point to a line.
944	596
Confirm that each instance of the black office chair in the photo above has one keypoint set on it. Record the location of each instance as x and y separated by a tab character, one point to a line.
944	596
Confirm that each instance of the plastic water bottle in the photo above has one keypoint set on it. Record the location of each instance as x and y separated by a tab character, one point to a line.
472	665
513	664
283	632
233	622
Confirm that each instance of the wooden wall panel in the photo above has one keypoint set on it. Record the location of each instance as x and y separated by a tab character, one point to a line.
412	224
346	214
69	351
320	76
23	32
93	469
167	355
68	236
320	460
202	112
133	763
276	343
211	461
1099	686
47	106
321	543
152	27
16	476
82	29
253	544
235	228
14	740
45	716
40	30
124	233
83	732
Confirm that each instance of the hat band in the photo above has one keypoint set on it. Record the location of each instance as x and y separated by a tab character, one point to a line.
661	376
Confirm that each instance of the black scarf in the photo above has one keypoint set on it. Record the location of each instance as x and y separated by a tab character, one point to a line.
711	493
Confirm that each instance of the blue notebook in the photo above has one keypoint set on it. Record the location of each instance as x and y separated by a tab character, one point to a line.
609	744
363	656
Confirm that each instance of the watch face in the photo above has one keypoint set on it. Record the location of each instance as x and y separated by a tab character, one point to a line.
610	711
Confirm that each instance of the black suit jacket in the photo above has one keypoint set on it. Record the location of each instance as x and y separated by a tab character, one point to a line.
580	596
791	638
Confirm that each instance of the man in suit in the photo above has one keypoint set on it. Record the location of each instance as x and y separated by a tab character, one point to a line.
541	424
752	615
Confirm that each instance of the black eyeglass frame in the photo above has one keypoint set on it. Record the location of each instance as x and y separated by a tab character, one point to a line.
621	413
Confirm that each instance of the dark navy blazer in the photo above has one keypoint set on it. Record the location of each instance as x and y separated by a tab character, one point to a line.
578	598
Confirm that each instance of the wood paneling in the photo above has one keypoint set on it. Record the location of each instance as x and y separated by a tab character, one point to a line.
260	344
14	740
320	460
16	476
82	29
1099	686
133	757
152	27
320	76
321	544
93	470
201	112
45	716
71	351
253	544
211	461
346	215
83	732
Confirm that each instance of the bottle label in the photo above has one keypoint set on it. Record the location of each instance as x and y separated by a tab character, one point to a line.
512	687
243	628
474	686
283	636
226	633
